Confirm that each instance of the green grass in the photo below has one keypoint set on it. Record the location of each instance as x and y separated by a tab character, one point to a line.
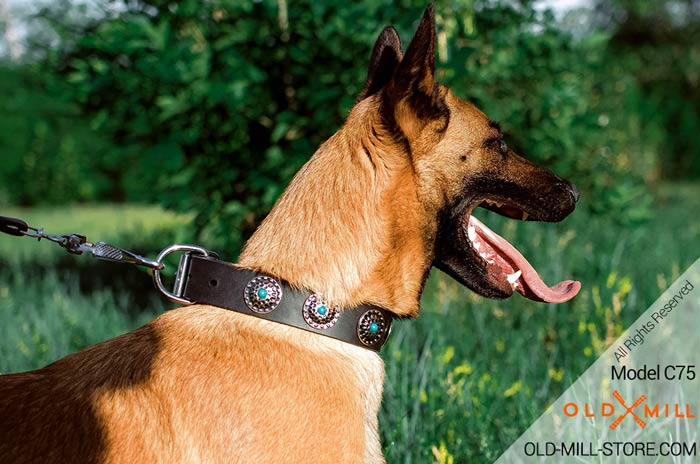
53	303
43	320
463	381
470	375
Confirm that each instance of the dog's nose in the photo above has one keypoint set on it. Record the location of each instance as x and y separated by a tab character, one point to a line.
575	192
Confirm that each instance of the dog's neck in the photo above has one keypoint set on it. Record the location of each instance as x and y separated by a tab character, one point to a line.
350	226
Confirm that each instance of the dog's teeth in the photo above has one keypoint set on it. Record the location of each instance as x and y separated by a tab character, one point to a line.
499	204
471	233
477	245
525	215
514	276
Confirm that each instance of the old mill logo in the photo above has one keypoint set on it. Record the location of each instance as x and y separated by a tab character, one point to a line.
639	410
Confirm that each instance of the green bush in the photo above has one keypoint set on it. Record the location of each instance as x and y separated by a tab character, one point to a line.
214	106
50	154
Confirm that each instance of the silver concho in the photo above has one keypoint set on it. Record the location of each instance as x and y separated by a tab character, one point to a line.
371	327
318	314
262	294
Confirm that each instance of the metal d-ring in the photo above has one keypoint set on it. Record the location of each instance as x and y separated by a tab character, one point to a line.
182	270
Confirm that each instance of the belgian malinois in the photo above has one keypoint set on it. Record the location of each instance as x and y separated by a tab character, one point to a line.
382	201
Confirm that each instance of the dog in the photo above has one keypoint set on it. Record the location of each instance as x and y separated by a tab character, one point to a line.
382	201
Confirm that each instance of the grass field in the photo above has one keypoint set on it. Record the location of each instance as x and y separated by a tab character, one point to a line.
462	381
53	303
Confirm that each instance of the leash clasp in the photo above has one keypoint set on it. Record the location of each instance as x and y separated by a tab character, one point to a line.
182	270
109	252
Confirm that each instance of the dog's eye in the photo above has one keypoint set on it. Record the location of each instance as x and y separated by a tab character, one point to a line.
497	144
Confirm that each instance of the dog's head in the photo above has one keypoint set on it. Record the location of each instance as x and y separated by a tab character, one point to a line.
460	161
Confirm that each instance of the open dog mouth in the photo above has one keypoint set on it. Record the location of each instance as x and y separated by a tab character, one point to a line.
487	263
503	261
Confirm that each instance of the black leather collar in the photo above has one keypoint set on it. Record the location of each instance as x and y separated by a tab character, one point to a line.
218	283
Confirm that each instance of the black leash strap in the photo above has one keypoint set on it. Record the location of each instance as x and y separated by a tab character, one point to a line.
76	243
13	226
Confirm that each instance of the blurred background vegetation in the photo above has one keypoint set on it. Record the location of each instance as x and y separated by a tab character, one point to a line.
212	106
147	122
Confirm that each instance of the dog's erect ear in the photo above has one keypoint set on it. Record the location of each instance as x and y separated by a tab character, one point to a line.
386	56
417	68
413	92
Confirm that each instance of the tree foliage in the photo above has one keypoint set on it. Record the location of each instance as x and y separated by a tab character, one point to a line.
659	44
212	106
50	154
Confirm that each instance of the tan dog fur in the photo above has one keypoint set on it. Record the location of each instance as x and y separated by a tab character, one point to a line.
358	224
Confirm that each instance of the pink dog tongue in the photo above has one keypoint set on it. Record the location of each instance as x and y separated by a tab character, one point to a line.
510	260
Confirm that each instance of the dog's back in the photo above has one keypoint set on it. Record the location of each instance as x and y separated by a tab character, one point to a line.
48	415
197	384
